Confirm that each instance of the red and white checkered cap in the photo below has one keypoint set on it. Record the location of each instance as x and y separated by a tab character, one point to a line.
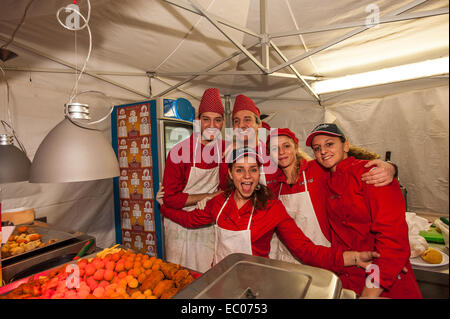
243	102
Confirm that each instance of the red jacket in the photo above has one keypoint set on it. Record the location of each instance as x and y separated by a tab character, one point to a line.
368	218
178	167
316	178
263	225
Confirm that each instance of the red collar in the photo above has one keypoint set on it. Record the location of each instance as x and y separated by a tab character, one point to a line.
283	179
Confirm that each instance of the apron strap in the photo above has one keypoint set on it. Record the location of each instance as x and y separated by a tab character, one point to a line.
279	192
220	212
305	181
251	216
195	150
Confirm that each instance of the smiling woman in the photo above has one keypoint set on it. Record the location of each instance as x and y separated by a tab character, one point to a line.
243	175
364	217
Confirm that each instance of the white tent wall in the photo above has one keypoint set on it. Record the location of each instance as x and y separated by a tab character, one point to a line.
413	125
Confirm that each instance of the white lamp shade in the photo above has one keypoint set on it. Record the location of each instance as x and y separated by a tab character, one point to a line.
70	153
14	164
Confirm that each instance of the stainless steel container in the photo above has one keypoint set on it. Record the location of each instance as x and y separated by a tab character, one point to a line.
241	276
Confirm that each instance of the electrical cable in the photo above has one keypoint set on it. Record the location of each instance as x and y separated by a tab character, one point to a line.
74	93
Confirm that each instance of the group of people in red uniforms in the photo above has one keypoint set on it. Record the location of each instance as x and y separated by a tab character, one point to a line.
259	195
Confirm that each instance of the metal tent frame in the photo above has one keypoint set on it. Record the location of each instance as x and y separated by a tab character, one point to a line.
264	39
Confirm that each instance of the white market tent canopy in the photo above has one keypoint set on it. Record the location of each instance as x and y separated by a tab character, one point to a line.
270	50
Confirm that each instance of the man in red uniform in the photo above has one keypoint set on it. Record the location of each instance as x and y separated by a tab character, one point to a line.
191	174
247	126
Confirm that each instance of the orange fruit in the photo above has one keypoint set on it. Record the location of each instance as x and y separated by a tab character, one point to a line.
129	278
141	277
99	264
108	275
99	274
90	269
122	284
136	272
148	292
115	257
119	266
156	267
104	284
128	265
121	290
147	272
122	274
110	265
147	264
133	283
99	292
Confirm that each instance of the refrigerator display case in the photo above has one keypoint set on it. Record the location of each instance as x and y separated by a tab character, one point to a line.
142	135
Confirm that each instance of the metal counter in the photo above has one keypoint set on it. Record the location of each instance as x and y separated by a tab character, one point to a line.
241	276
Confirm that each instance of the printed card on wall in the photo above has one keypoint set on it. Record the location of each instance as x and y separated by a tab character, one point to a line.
135	180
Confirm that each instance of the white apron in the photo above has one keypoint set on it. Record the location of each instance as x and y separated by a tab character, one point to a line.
193	248
299	207
231	241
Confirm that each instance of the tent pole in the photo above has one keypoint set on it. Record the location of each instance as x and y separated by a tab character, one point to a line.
297	74
173	88
386	19
263	22
49	70
214	22
191	8
344	37
228	122
212	66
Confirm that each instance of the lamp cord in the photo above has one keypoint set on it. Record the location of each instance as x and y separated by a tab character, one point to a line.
74	92
5	123
18	26
85	25
8	111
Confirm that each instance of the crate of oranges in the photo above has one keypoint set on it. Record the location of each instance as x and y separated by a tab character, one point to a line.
114	273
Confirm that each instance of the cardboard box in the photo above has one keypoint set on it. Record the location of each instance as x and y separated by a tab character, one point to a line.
18	216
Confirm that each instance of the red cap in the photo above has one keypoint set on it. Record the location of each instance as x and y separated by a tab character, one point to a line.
211	102
283	131
243	102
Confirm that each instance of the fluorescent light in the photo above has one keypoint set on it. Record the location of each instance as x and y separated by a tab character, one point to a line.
395	74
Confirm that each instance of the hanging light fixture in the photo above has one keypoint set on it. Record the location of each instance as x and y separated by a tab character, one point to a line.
14	163
73	151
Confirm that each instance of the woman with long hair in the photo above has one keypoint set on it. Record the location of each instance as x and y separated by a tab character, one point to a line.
364	217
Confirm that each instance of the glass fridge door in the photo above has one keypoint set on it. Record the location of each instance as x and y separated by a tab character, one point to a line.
175	133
